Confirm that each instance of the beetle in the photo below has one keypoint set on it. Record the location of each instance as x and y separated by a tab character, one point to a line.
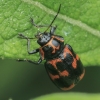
63	65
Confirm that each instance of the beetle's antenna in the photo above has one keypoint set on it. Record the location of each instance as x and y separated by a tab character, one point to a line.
53	19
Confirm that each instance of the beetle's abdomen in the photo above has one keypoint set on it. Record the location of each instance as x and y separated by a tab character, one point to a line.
65	71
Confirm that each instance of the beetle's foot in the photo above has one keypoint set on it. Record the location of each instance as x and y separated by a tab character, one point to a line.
22	36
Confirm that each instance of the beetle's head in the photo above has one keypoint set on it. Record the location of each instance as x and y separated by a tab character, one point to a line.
42	38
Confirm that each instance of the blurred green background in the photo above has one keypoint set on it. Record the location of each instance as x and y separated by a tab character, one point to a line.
22	81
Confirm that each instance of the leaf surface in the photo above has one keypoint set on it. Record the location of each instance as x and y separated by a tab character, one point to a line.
78	22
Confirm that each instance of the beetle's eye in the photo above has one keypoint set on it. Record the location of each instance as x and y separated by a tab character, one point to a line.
38	35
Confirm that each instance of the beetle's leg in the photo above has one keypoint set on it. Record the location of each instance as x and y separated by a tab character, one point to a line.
28	44
52	30
22	36
30	52
32	21
33	52
35	62
28	48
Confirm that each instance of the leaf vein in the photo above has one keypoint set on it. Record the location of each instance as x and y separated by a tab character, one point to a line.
66	18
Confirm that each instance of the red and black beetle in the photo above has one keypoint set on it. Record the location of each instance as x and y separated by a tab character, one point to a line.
62	64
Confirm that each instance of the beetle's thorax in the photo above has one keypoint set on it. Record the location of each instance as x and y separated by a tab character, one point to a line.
43	39
52	47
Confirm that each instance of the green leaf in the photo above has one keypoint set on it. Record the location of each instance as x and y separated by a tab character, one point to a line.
78	22
69	96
